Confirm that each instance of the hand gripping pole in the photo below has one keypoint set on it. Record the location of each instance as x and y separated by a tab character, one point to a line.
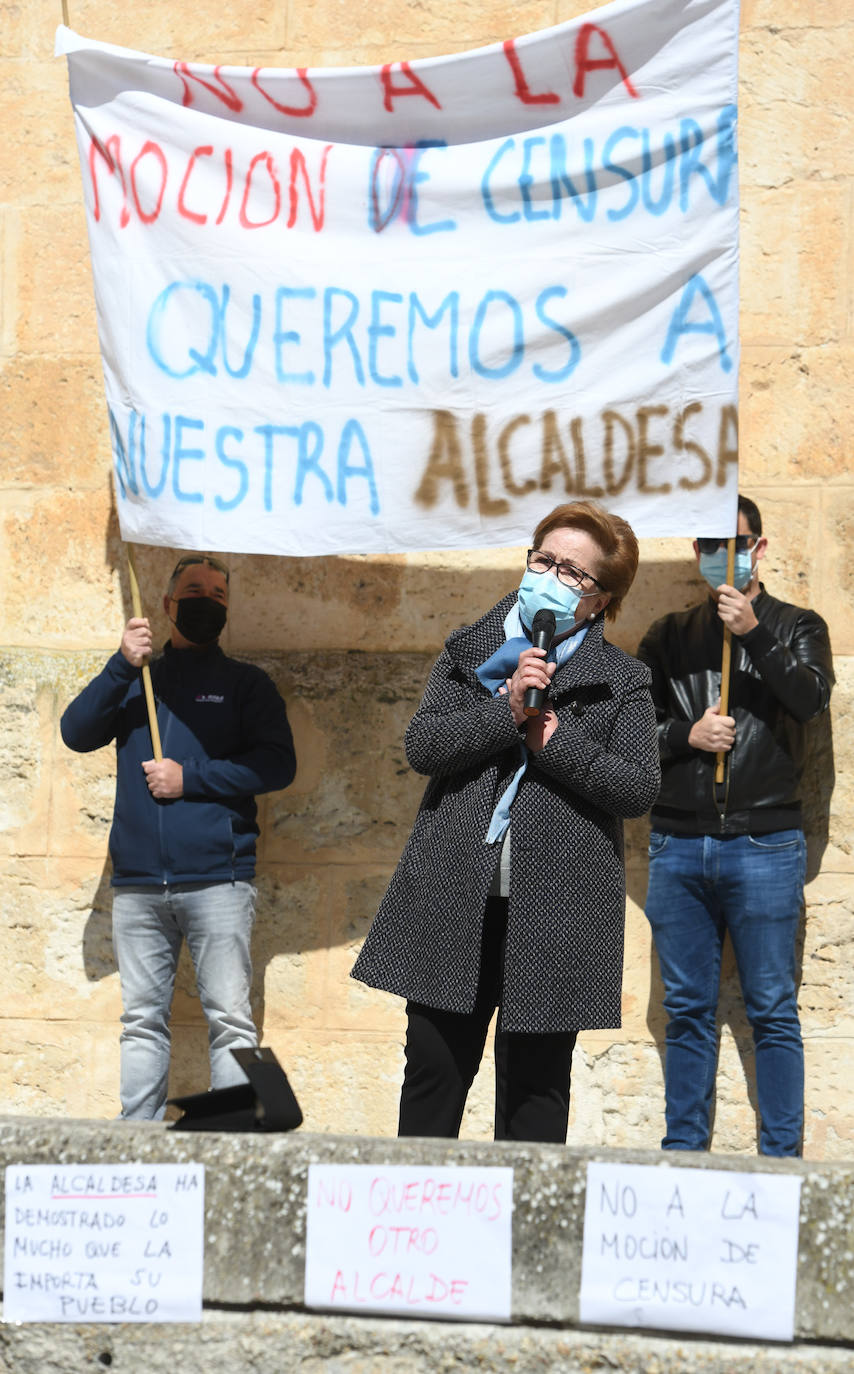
726	659
145	669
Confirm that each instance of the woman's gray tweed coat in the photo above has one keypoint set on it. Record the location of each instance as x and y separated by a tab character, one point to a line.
564	949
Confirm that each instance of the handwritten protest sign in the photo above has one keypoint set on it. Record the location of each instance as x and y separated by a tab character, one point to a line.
415	306
104	1243
690	1250
419	1241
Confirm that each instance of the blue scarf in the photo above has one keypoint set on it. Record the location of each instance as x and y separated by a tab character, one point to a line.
493	674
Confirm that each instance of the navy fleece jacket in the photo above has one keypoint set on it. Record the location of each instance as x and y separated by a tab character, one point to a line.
225	723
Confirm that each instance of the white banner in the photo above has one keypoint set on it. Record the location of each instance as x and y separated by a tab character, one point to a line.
416	306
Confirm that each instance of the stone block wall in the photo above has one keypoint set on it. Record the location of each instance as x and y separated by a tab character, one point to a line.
350	640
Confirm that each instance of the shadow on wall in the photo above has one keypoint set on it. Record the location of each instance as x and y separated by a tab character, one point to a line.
352	804
380	603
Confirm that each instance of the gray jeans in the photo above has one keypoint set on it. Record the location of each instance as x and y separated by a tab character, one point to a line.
149	924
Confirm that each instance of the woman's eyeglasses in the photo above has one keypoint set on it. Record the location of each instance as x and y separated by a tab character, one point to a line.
567	573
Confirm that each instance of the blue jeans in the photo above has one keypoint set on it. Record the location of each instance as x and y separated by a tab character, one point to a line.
149	924
752	886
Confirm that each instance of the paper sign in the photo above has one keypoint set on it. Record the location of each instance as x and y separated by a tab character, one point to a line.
416	306
690	1250
104	1242
417	1242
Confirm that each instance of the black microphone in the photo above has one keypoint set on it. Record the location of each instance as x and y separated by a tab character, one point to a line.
542	634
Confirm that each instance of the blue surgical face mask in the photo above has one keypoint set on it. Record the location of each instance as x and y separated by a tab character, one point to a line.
541	591
713	568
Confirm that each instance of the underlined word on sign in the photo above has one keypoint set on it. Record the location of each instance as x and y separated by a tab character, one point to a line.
96	1243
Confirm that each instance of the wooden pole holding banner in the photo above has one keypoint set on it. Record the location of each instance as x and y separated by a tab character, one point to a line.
726	660
136	602
65	14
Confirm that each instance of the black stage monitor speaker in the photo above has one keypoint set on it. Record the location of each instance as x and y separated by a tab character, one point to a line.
265	1103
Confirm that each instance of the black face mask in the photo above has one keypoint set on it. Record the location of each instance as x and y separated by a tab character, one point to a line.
200	619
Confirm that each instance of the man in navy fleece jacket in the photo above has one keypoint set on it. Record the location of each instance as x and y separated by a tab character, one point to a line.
182	842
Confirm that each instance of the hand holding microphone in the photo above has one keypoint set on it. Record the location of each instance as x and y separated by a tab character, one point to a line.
542	634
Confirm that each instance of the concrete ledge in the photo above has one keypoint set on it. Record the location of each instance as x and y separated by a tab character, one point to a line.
293	1343
255	1244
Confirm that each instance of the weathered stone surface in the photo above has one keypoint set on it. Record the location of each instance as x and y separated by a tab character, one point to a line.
53	942
353	1005
57	1067
826	994
26	726
779	137
791	295
46	606
26	30
796	14
826	792
245	25
641	986
617	1086
796	416
8	270
43	394
346	1091
794	99
358	795
839	568
290	947
829	1118
571	9
395	28
54	304
255	1201
38	154
267	1343
393	603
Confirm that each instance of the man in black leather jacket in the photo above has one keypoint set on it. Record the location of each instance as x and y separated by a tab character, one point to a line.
731	855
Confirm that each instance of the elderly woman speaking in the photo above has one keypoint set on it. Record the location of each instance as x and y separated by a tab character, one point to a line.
510	892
